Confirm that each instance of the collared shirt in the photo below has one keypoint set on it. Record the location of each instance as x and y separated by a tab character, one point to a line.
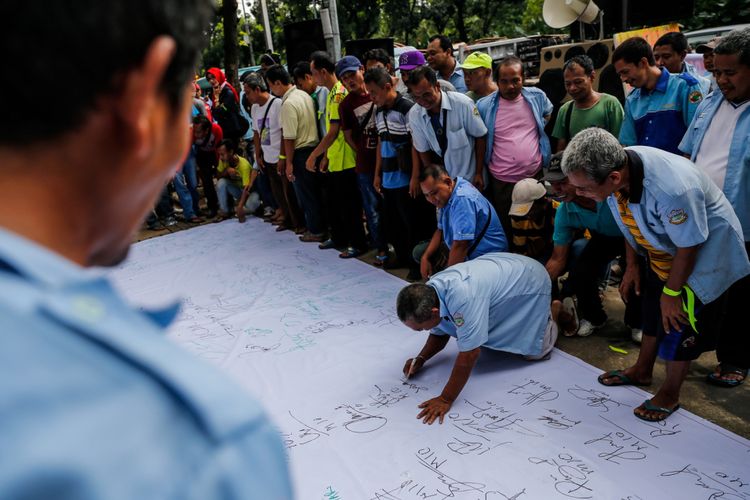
541	107
298	118
499	300
572	216
463	127
245	112
340	154
737	177
678	206
457	79
659	118
97	403
464	217
703	81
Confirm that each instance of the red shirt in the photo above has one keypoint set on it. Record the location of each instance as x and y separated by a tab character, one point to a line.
210	142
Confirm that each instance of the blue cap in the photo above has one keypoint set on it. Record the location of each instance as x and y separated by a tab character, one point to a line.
346	64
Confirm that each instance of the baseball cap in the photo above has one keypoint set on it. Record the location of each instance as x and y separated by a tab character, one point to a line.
525	192
346	64
554	173
477	60
411	59
708	46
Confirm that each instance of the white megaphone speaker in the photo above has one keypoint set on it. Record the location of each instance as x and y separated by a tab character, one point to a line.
561	13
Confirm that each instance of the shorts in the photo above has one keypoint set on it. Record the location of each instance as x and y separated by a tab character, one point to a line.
688	344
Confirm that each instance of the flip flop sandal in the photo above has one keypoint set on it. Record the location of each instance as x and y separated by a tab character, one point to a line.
350	253
724	370
623	379
380	260
663	413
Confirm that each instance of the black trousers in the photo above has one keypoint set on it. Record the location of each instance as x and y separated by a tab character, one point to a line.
345	209
206	162
407	222
733	346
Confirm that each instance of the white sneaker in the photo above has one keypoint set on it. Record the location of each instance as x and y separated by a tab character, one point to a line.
569	306
637	335
586	328
268	211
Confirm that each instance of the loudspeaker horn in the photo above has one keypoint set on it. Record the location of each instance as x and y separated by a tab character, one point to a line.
561	13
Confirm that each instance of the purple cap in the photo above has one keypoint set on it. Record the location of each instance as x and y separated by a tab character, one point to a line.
346	64
410	60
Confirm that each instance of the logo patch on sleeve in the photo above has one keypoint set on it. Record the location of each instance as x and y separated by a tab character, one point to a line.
458	319
677	216
695	97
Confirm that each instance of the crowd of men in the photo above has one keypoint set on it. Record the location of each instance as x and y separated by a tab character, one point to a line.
350	155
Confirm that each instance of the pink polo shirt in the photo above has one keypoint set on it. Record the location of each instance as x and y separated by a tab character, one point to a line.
515	148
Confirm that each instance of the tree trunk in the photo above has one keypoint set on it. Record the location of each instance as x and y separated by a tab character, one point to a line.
231	42
460	24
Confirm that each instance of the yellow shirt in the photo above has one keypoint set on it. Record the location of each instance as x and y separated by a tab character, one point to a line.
661	262
298	121
243	170
341	156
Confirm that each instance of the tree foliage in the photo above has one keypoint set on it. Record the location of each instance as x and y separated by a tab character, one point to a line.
412	22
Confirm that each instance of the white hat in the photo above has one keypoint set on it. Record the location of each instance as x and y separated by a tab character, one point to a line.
525	193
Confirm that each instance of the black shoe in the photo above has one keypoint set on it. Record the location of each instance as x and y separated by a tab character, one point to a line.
327	244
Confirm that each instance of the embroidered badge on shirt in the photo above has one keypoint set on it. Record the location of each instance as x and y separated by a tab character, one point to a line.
695	97
475	111
458	319
677	216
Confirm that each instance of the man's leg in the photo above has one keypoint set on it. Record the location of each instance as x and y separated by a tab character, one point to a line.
206	163
733	349
642	371
189	170
502	198
304	186
277	190
588	271
371	203
183	193
352	211
222	191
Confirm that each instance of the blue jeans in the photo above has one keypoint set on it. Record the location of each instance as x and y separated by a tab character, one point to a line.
186	186
372	202
226	187
308	194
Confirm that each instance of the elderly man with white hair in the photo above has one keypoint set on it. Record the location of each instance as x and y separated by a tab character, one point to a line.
671	212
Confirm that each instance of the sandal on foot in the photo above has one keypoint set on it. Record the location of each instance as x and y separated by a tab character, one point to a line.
380	260
623	379
724	370
663	413
350	253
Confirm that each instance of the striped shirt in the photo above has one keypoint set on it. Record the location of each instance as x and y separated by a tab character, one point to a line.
392	124
660	262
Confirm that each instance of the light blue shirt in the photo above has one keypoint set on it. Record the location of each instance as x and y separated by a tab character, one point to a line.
681	207
703	81
97	403
570	217
463	127
249	134
737	180
457	79
659	118
499	300
464	217
542	108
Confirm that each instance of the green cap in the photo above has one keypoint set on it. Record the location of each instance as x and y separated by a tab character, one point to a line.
477	60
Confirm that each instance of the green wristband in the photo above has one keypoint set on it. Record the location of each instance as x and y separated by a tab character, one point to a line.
670	292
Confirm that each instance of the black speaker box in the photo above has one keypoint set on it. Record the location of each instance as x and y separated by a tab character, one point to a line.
302	39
